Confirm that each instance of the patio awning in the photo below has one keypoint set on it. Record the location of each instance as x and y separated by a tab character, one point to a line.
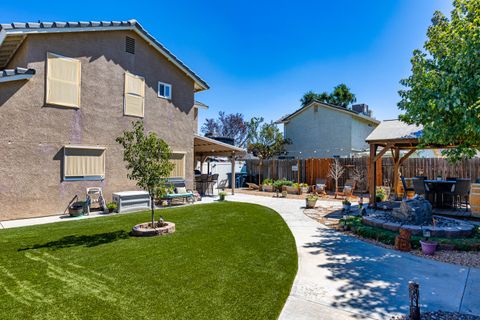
204	146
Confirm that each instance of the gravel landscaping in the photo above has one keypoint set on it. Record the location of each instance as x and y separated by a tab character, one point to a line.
442	315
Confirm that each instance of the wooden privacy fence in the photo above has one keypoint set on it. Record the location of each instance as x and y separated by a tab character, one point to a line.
357	168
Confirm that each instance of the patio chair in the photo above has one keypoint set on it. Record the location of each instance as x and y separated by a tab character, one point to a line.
461	192
406	189
349	187
320	185
252	186
222	185
419	186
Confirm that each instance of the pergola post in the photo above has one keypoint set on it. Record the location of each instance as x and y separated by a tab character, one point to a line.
233	173
396	170
372	173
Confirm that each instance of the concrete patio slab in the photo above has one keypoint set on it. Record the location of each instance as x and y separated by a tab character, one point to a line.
471	303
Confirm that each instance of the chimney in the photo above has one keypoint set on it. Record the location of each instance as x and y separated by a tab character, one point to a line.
361	108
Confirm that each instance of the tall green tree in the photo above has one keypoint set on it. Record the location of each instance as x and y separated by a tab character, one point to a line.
148	160
265	141
340	96
443	92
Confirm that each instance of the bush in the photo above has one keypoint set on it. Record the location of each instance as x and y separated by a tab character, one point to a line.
282	182
267	182
112	206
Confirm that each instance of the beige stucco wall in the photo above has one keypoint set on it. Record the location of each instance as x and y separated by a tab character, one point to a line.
32	135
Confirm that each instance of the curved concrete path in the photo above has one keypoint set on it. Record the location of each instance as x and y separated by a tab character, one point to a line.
340	277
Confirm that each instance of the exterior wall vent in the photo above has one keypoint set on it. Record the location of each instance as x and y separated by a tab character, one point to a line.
130	45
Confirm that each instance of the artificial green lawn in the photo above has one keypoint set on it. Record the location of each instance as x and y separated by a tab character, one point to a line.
225	261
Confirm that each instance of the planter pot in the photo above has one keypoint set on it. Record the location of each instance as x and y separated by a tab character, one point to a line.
292	190
304	189
111	210
346	207
284	193
428	247
76	209
222	197
267	188
310	204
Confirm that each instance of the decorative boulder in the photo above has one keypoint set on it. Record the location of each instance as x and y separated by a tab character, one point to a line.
416	211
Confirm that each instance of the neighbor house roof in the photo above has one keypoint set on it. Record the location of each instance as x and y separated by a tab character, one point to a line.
13	34
288	117
394	130
16	74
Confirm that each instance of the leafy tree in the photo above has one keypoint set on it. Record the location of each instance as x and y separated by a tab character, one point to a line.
148	160
265	141
442	93
341	96
228	125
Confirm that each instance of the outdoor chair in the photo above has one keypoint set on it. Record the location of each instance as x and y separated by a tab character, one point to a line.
320	185
222	185
212	182
406	189
462	192
349	187
252	186
419	186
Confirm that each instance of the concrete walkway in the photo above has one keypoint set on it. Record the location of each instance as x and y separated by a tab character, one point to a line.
340	277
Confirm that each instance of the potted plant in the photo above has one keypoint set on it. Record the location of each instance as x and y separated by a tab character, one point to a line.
281	185
76	209
428	246
311	201
267	185
292	188
111	206
222	195
380	194
346	205
303	188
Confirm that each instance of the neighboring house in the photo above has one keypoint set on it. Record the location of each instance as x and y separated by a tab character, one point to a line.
67	91
321	130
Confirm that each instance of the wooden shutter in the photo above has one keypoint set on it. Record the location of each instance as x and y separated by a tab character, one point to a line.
134	95
63	81
178	159
84	162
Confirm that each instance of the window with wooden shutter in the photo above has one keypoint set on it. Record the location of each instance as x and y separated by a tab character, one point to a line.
84	163
134	95
63	81
178	159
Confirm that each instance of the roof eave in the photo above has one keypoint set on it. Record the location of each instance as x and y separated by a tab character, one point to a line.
199	84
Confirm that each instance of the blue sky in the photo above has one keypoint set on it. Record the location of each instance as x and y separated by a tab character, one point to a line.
259	57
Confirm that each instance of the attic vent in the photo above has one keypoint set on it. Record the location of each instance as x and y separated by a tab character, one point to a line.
130	45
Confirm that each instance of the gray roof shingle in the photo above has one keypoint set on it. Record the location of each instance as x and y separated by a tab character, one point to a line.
32	27
395	130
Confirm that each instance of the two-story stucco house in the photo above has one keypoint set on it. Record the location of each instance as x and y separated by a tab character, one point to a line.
322	130
67	90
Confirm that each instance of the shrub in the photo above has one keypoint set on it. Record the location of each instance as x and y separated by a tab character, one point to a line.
267	182
282	182
312	197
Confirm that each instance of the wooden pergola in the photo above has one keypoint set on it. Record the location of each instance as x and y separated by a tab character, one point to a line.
402	140
206	147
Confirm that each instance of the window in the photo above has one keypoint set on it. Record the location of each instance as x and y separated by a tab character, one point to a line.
134	99
165	90
83	163
63	81
130	45
178	160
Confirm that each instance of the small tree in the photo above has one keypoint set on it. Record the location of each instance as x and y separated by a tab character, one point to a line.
148	160
335	172
265	141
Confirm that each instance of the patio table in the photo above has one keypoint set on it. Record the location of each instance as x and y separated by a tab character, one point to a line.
438	188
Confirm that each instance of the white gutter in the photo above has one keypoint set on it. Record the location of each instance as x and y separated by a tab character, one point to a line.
15	77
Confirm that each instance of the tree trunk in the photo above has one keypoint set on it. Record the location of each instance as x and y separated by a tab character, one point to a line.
336	188
153	210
